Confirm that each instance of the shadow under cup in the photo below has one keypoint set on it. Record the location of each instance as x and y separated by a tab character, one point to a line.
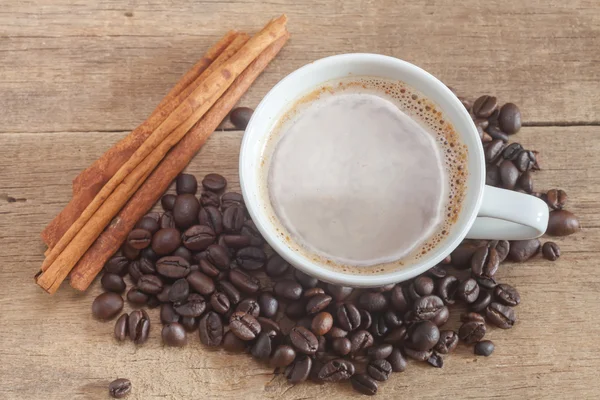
303	81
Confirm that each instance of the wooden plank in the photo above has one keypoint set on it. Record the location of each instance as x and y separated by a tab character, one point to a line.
51	348
90	66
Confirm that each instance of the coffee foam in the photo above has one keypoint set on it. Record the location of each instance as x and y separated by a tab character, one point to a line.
424	112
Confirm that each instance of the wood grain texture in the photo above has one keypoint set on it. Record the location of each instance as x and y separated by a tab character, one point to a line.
69	65
552	352
75	76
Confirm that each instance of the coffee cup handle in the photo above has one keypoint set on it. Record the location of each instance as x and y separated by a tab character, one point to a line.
508	215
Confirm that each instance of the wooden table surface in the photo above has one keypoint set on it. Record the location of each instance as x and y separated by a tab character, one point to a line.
76	76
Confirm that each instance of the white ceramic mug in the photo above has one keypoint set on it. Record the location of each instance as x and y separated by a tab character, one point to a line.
487	212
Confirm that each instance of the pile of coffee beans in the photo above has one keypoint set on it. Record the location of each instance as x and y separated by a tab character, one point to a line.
204	263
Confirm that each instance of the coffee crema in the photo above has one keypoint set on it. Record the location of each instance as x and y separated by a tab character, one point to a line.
363	175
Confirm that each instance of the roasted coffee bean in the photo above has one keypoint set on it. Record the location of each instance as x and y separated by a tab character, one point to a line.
168	314
379	327
484	300
233	219
165	241
341	346
113	283
427	307
244	282
471	332
186	183
360	340
174	335
218	256
180	291
525	182
446	288
435	360
447	342
502	247
245	326
493	150
121	331
468	290
232	199
150	284
249	306
230	290
167	221
422	336
398	300
441	317
131	253
154	215
152	302
173	267
337	370
214	182
236	241
268	324
168	202
396	336
339	293
348	317
379	369
417	355
220	302
190	324
317	303
303	340
523	250
268	304
211	329
437	272
508	174
556	199
263	346
392	319
322	323
137	297
288	289
198	237
211	217
484	106
509	118
139	238
397	360
307	281
484	348
240	116
364	384
492	175
512	151
163	296
233	344
485	262
146	267
193	307
107	305
550	250
117	265
138	325
380	352
500	315
283	356
562	223
365	319
423	286
149	255
185	210
461	256
471	316
276	266
201	283
296	309
208	198
208	269
372	302
337	332
119	388
299	370
251	258
496	133
525	161
184	253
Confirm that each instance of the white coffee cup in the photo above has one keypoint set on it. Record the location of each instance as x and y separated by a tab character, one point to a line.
487	212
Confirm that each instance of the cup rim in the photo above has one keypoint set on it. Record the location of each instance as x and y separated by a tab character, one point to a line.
348	279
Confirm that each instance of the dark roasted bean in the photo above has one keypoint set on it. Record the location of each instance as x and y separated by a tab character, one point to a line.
138	325
107	305
173	267
525	161
299	370
117	265
438	272
185	210
562	223
129	252
230	290
556	199
322	323
341	346
119	388
251	258
288	289
372	302
186	183
417	355
244	282
276	266
446	288
523	250
165	241
193	307
168	202
427	307
397	360
435	360
218	256
139	238
249	306
283	356
307	281
150	284
240	116
493	150
447	342
471	316
121	328
380	352
337	370
550	250
500	315
214	182
484	300
211	217
360	340
208	198
468	290
163	296
167	221
396	336
168	314
398	300
113	283
525	182
304	340
348	317
471	332
244	326
337	332
198	237
233	219
207	268
339	293
422	336
201	283
364	384
508	174
509	118
268	304
211	329
379	327
174	335
137	297
232	343
484	106
484	348
180	291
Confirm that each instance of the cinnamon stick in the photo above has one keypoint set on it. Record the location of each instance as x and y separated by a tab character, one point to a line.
128	178
150	192
89	211
89	182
